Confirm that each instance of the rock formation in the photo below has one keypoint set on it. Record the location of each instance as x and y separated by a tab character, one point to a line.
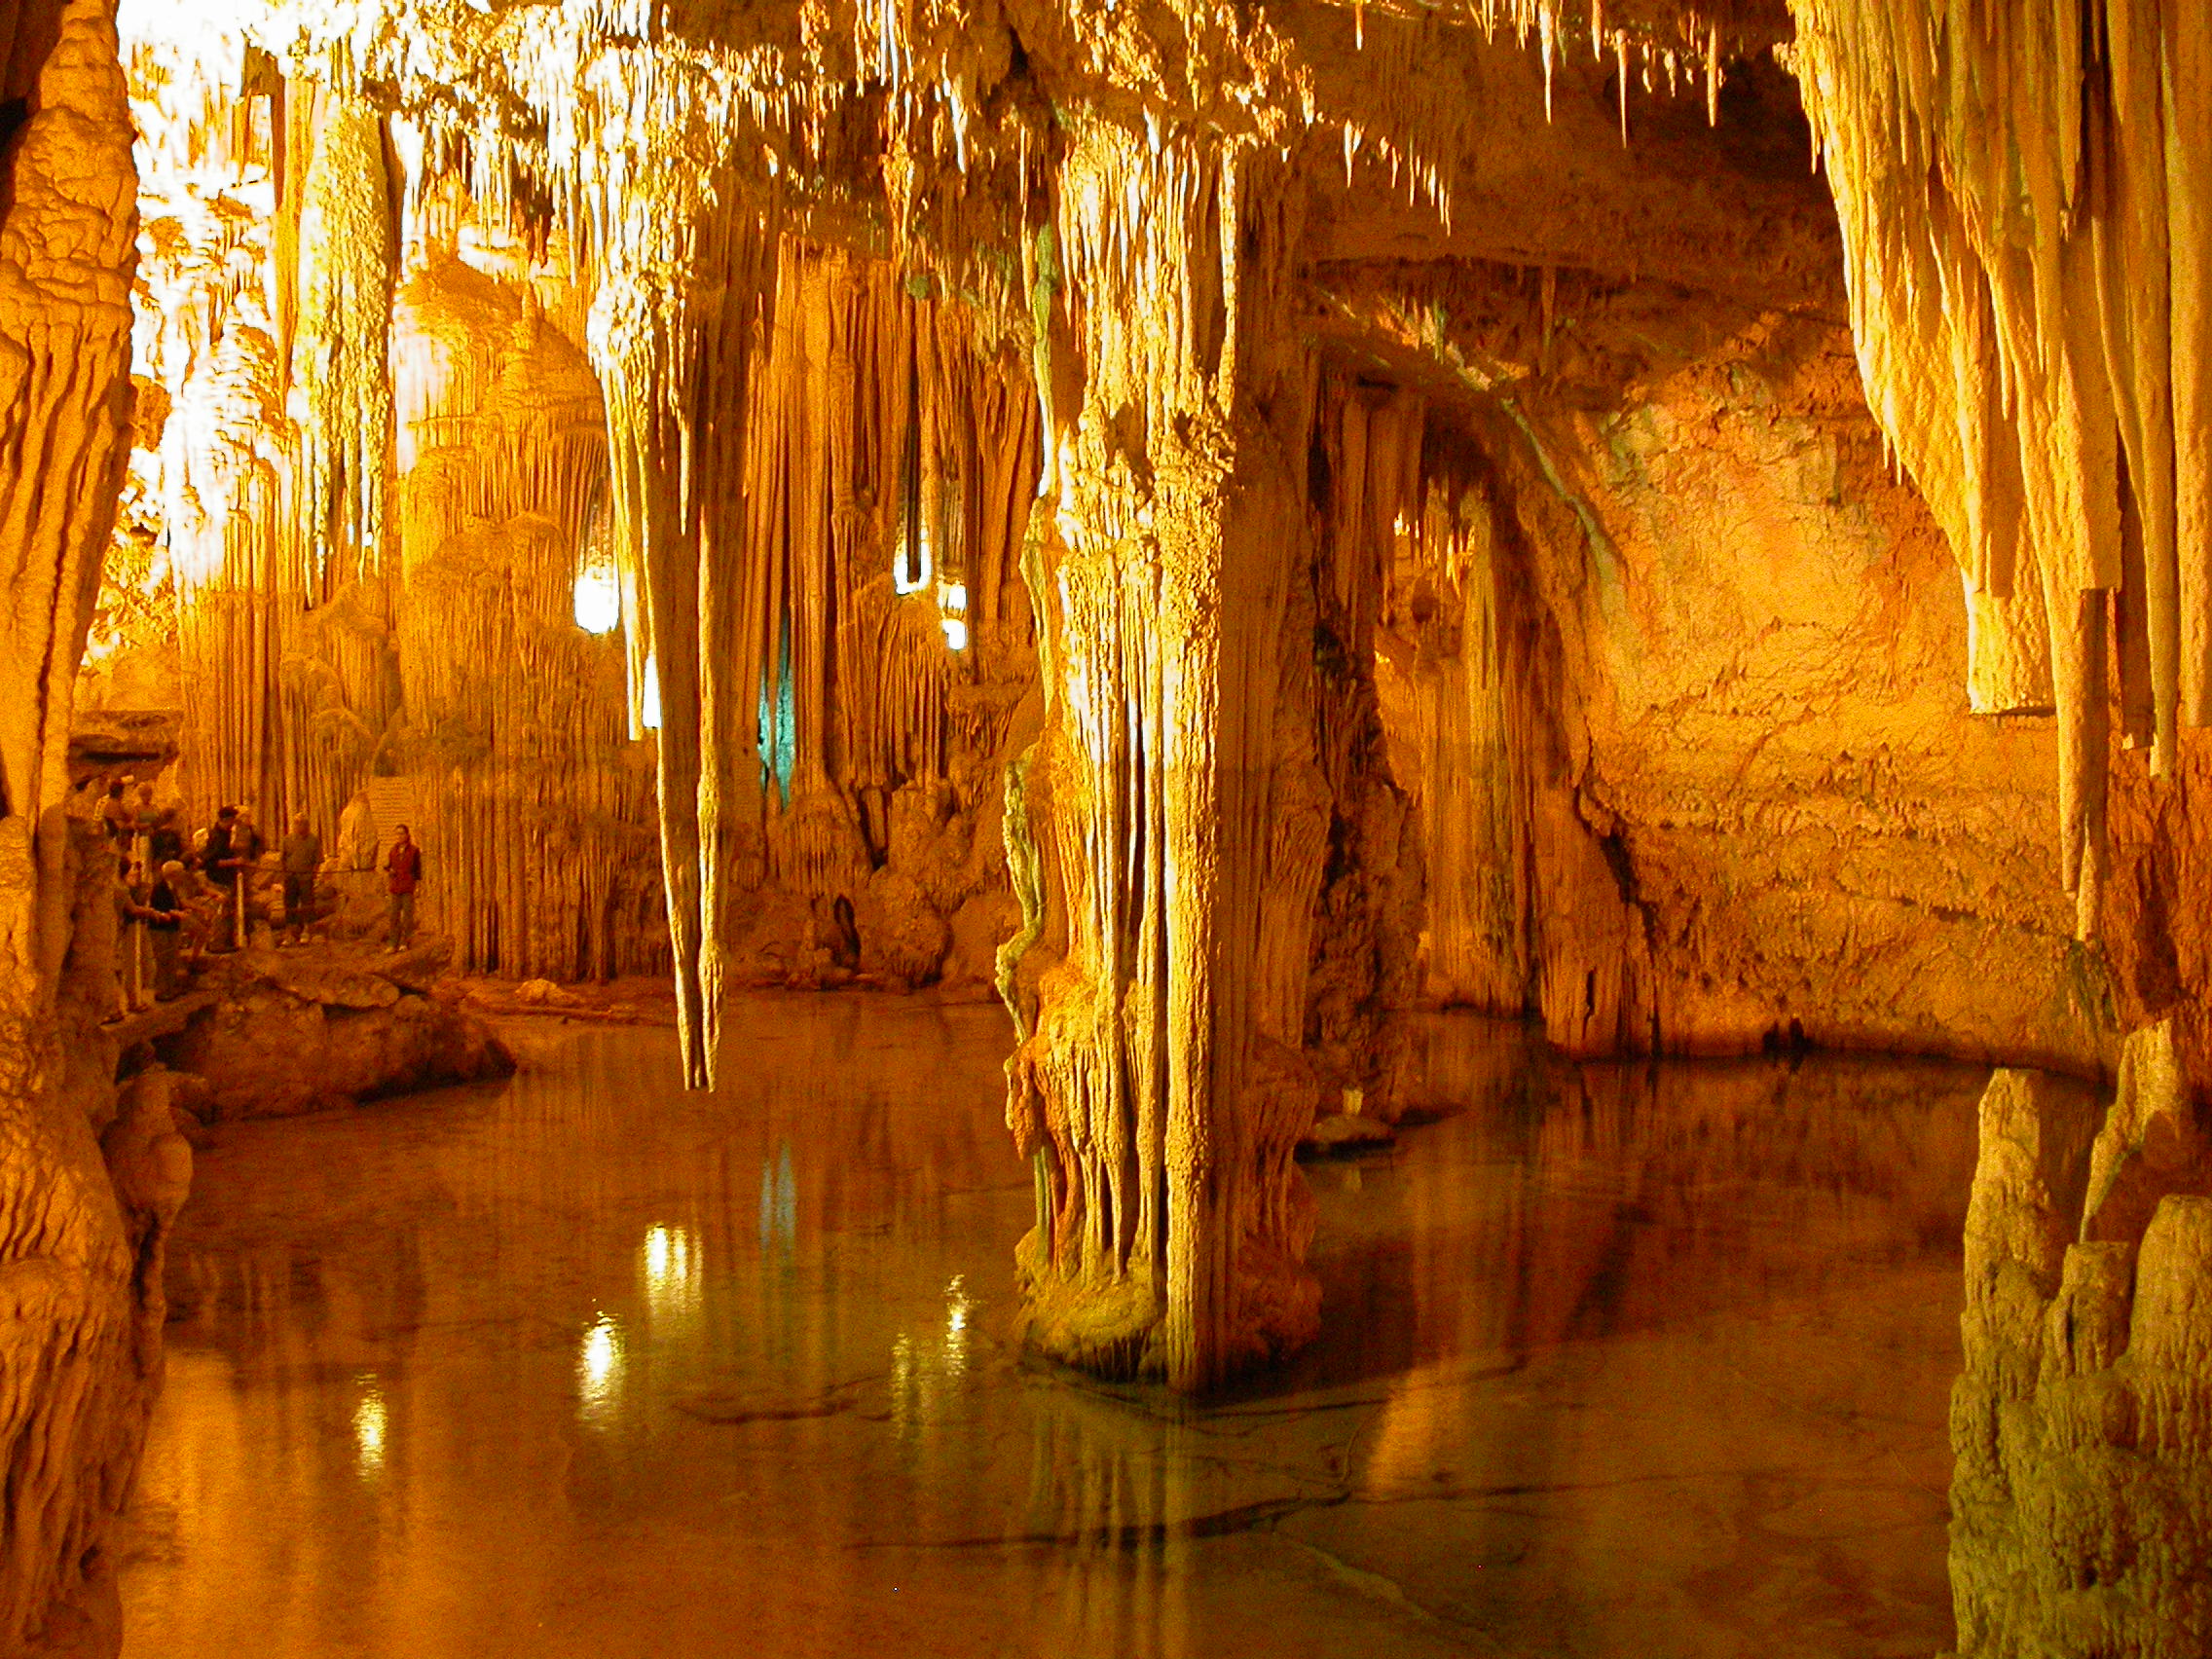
2082	1507
80	1252
305	1030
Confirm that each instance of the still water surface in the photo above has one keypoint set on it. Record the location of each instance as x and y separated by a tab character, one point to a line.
1646	1360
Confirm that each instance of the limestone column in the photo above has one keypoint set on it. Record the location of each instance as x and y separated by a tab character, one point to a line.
1158	1088
78	1360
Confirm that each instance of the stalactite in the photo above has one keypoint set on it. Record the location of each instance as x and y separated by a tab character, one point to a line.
2023	195
339	354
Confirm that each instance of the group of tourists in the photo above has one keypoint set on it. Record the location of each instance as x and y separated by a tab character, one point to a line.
190	900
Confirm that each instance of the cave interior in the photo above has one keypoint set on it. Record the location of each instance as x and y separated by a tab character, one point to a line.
1216	620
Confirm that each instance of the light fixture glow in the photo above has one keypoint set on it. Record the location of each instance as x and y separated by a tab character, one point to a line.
598	600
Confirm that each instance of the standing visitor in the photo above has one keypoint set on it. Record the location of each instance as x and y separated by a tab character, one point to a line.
404	867
165	916
114	811
130	959
165	845
247	848
219	866
302	858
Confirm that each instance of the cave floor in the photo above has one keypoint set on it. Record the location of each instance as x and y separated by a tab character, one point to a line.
1632	1360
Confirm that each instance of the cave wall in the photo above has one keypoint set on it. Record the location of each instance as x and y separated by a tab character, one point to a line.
1694	764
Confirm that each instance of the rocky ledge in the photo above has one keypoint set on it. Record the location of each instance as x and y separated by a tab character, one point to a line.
328	1025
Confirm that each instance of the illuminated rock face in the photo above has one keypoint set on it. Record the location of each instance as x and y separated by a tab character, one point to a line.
1690	763
1228	522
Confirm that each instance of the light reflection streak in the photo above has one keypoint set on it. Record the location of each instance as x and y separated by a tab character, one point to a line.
923	1373
673	1271
369	1425
779	1203
599	1371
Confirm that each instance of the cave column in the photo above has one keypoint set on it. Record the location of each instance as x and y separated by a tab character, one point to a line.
1171	1221
80	1300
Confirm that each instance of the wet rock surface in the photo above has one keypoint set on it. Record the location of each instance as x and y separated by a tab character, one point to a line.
1340	1134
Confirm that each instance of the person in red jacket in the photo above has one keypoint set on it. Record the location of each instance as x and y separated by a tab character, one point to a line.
403	868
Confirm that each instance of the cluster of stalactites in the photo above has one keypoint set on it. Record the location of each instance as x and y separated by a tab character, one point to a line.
207	156
340	352
1694	45
268	258
2025	189
818	487
564	116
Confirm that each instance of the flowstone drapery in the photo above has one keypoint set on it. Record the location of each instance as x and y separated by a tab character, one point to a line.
2026	193
2024	202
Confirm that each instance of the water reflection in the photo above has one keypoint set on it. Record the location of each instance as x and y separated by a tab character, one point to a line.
674	1276
1645	1360
369	1424
599	1372
779	1202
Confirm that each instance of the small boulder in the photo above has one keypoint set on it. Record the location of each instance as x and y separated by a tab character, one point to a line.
1341	1134
544	993
419	967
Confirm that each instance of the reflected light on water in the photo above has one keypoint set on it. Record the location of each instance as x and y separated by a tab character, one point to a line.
369	1426
957	1307
1704	1320
779	1202
599	1370
672	1271
924	1374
